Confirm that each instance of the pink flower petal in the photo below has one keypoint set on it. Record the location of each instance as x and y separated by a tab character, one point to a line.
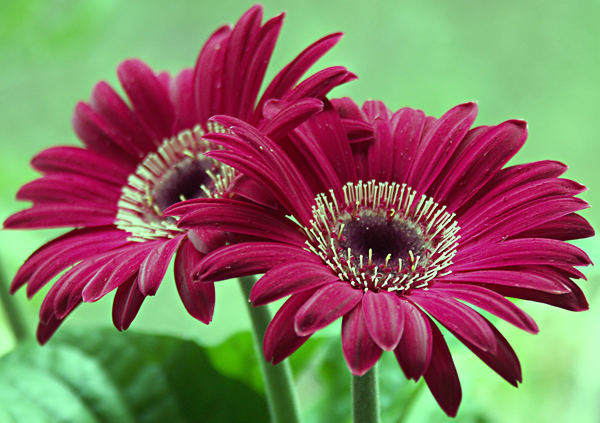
182	95
293	71
154	266
61	215
489	301
207	72
149	97
414	350
438	145
120	265
326	305
254	71
244	218
127	303
62	252
441	376
408	125
519	252
290	278
69	188
565	228
502	359
240	46
360	352
198	298
509	278
479	157
280	338
122	123
456	317
384	318
248	258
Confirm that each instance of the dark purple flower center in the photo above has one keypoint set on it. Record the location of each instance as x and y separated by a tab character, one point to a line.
383	236
178	170
383	239
183	181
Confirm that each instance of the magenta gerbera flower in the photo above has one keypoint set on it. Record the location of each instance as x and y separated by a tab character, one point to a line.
396	231
140	157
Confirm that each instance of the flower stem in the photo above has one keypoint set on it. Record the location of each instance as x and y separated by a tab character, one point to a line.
365	397
279	387
15	319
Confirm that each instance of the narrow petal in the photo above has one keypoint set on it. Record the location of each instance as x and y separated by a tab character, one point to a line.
80	161
290	117
127	303
414	350
408	125
514	177
198	298
518	252
565	228
384	318
573	299
382	151
124	126
61	215
68	188
248	258
521	218
45	330
479	157
99	136
324	306
441	376
327	130
62	252
240	217
240	47
293	71
360	352
154	267
207	72
502	360
520	278
255	71
319	84
439	143
290	278
182	96
456	317
120	265
490	301
280	338
149	97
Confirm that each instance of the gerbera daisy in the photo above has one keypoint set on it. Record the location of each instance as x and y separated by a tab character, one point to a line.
138	159
397	232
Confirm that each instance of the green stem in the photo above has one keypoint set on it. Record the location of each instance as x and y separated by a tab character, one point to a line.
365	397
15	319
279	386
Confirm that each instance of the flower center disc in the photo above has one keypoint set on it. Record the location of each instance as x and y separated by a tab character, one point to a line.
177	171
372	233
380	238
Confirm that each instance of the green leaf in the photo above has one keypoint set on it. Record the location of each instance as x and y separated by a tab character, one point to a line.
106	376
236	358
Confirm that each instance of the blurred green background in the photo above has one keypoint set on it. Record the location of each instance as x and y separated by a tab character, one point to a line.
534	60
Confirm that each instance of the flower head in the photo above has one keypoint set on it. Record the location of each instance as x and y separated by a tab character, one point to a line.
394	221
139	158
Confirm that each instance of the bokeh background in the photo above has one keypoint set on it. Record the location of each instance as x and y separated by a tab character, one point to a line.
534	60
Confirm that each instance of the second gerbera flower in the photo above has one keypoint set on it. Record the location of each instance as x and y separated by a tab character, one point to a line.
138	160
394	231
